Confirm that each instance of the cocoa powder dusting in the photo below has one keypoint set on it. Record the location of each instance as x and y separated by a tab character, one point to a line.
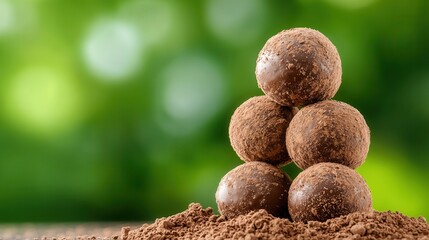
199	223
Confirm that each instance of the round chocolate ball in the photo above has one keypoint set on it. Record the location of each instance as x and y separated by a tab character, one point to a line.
298	67
328	131
257	131
252	186
327	190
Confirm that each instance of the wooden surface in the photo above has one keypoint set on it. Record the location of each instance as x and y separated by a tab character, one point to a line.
61	231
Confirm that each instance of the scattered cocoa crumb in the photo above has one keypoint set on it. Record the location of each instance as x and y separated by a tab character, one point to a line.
124	232
199	223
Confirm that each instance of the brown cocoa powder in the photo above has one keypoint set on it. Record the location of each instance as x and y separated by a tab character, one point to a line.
199	223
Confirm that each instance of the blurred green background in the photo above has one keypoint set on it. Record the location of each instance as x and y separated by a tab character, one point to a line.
119	110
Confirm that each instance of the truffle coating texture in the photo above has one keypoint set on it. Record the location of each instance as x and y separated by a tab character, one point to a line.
252	186
328	131
257	131
298	67
327	190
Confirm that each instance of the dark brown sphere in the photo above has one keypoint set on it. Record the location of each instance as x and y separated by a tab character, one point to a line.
258	131
328	131
298	67
327	190
252	186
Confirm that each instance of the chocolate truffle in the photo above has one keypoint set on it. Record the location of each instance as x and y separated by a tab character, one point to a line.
327	190
252	186
328	131
298	67
258	130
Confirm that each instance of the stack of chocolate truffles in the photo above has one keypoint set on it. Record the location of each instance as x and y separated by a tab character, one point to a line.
299	70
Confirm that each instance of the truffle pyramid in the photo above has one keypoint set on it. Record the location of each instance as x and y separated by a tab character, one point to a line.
297	68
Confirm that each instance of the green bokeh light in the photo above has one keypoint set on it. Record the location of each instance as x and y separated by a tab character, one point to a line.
394	182
43	100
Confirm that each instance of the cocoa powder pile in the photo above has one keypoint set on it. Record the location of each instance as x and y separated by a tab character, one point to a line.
199	223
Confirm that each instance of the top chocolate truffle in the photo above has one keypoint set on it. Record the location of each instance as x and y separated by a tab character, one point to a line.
298	67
